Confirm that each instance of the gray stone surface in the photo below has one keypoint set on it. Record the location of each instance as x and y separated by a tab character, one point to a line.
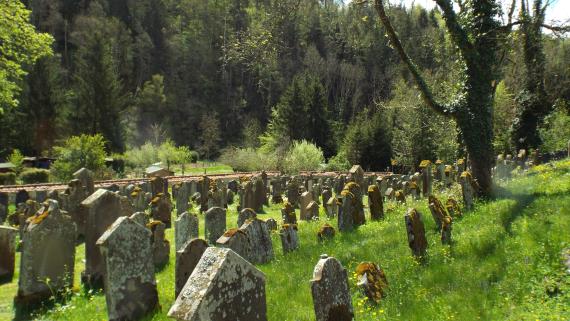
223	287
214	224
289	238
130	284
330	291
260	240
85	176
185	229
304	201
186	260
244	215
238	241
7	252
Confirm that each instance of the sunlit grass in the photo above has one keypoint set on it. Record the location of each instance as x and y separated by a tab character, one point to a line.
504	264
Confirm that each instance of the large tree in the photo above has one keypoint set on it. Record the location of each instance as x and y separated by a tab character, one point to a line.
475	30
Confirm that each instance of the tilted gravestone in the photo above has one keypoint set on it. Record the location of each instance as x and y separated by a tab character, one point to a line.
223	286
427	178
130	284
102	209
330	291
244	215
185	229
187	257
304	201
139	199
160	245
214	224
260	240
7	253
161	208
416	233
325	196
289	238
48	255
375	203
238	241
371	281
437	211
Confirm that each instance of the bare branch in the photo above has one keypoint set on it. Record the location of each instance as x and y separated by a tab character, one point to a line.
425	91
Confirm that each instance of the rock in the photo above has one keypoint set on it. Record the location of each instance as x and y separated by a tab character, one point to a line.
289	238
185	229
186	260
214	224
223	286
371	281
130	284
48	253
330	291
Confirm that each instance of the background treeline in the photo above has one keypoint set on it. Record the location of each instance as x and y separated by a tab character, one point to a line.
250	80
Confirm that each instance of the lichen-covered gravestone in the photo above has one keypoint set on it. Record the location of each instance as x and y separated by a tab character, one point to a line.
186	260
375	203
161	208
244	215
7	253
85	176
352	213
331	207
289	238
330	291
130	285
185	229
48	255
214	224
160	245
182	198
158	185
223	286
437	211
326	232
453	208
313	211
304	201
371	280
416	232
325	196
238	241
468	189
103	208
71	202
141	218
288	214
261	246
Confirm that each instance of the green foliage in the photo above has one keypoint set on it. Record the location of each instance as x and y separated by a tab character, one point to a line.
210	138
368	141
35	175
20	45
78	152
17	159
503	119
555	132
8	178
167	153
149	109
303	156
339	162
248	159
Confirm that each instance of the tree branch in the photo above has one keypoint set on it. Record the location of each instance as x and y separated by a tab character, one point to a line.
455	30
425	91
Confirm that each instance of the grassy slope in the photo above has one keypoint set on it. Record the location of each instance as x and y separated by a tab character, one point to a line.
505	263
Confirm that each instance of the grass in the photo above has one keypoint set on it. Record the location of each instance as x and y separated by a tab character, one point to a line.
203	168
505	262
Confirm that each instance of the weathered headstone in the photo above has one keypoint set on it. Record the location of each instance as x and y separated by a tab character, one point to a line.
7	253
102	209
238	241
130	284
305	200
160	245
375	203
416	232
313	211
325	232
352	213
260	194
326	196
71	200
371	280
260	240
85	176
185	229
437	211
276	191
223	286
140	217
271	224
187	257
468	189
3	207
400	196
293	192
48	255
357	176
182	197
331	207
244	215
161	208
158	185
425	167
289	237
330	291
288	214
453	208
214	224
446	225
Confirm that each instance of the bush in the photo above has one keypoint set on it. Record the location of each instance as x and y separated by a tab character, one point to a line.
193	157
77	152
303	156
17	159
7	178
248	159
34	176
555	133
338	162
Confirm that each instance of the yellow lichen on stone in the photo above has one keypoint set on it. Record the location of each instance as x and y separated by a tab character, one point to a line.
438	162
37	219
461	161
466	174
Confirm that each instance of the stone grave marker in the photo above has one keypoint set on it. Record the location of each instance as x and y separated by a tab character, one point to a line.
371	281
326	232
141	218
85	176
223	286
238	241
244	215
453	208
437	211
187	257
22	196
271	224
185	229
330	291
289	237
304	201
7	253
331	207
130	284
260	241
446	225
468	189
160	245
416	233
375	203
182	197
161	208
214	224
288	213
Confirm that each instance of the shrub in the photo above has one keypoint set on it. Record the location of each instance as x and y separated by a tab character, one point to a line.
555	133
338	162
34	176
77	152
7	178
303	156
248	159
17	159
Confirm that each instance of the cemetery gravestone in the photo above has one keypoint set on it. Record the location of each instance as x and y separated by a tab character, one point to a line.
375	203
7	253
289	238
288	214
244	215
238	241
185	229
160	246
330	291
186	260
214	224
261	246
416	233
371	280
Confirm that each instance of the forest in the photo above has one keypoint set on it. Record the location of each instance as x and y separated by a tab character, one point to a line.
246	81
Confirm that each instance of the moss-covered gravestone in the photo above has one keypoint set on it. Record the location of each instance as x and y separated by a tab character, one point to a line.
48	255
416	233
288	214
437	210
289	238
244	215
185	229
161	208
330	291
130	284
7	253
326	232
186	260
238	241
214	224
468	189
371	280
160	245
261	246
375	203
223	286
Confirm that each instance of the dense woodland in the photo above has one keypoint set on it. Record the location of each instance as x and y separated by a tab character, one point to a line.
224	77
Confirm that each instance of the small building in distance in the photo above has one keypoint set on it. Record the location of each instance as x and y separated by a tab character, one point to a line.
157	170
7	167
